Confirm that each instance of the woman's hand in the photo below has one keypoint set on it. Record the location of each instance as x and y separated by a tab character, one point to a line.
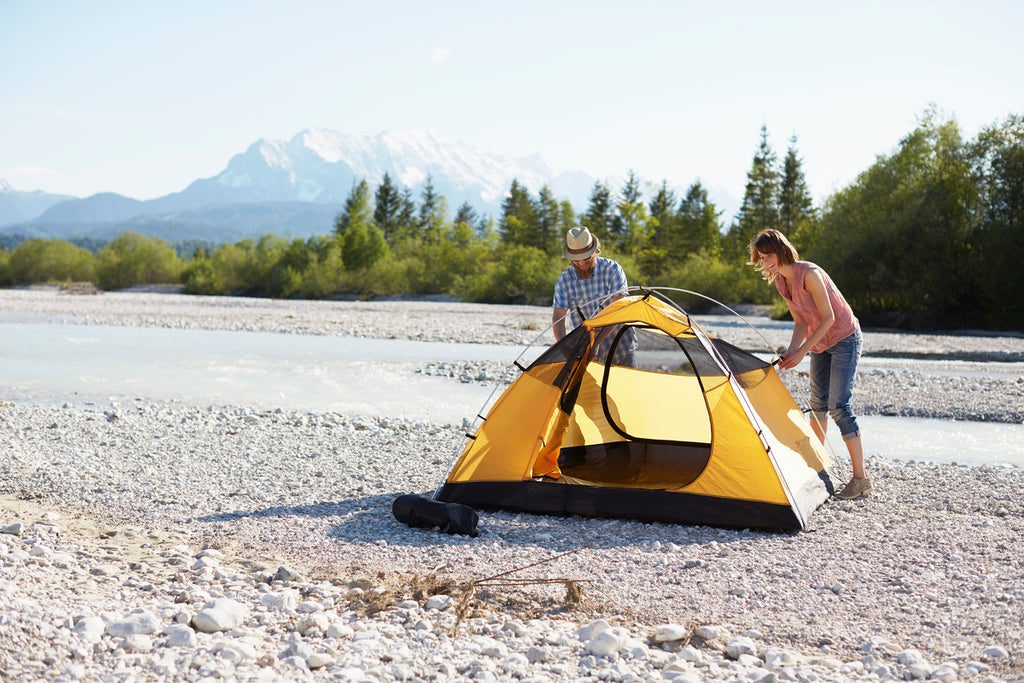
791	359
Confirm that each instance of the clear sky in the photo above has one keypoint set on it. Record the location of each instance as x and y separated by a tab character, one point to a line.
143	97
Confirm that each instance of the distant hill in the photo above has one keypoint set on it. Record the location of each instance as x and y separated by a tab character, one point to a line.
218	223
16	206
99	208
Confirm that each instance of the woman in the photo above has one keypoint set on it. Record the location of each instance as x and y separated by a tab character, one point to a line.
824	326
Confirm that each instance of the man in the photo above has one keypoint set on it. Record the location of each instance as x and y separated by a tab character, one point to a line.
590	283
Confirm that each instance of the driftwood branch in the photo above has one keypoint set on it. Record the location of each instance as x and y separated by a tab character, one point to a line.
573	594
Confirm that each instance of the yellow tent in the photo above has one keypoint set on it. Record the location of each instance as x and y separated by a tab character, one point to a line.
639	414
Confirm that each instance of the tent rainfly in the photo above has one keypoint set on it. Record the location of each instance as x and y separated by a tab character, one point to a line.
639	414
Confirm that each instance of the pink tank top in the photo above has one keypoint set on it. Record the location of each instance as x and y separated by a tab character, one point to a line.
801	301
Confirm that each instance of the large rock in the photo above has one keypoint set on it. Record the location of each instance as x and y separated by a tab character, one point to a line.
221	614
139	623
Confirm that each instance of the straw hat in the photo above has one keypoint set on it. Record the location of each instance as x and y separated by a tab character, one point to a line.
580	244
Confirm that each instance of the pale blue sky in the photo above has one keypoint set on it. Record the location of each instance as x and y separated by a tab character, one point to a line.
143	97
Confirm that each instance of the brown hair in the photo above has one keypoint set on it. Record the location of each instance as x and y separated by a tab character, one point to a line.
771	242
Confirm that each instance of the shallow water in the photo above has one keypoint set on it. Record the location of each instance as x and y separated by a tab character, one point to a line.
927	440
266	370
82	364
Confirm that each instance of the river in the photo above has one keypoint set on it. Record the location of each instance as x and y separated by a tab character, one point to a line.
95	364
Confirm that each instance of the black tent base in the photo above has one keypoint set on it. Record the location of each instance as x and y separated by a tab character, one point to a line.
642	505
426	513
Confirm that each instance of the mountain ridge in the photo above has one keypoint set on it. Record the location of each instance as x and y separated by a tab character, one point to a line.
316	166
17	206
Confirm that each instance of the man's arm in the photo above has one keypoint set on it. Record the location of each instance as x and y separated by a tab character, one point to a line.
619	284
558	320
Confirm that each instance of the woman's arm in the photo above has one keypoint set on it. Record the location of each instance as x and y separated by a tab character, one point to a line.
799	331
815	285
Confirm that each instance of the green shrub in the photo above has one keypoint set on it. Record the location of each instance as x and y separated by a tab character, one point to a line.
132	259
37	261
724	281
201	277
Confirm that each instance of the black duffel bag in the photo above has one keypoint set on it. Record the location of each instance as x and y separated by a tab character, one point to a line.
426	513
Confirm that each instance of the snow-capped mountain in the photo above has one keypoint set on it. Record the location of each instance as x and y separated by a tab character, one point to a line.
316	167
289	187
319	165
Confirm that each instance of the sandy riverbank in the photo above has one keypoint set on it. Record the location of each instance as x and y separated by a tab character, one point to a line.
106	576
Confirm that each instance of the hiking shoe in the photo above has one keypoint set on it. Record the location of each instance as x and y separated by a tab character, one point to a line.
857	488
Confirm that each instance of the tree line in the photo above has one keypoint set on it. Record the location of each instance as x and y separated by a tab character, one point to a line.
930	235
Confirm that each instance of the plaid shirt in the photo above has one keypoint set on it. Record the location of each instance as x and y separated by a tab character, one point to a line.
575	294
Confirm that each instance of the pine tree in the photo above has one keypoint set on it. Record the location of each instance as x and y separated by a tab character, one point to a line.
699	229
356	210
599	214
466	214
567	220
433	213
662	212
362	241
407	224
518	217
619	232
630	225
387	206
796	210
760	208
464	225
549	221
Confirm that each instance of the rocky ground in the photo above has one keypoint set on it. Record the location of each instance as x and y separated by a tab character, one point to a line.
151	541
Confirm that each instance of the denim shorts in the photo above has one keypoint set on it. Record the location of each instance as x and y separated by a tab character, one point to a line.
833	372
